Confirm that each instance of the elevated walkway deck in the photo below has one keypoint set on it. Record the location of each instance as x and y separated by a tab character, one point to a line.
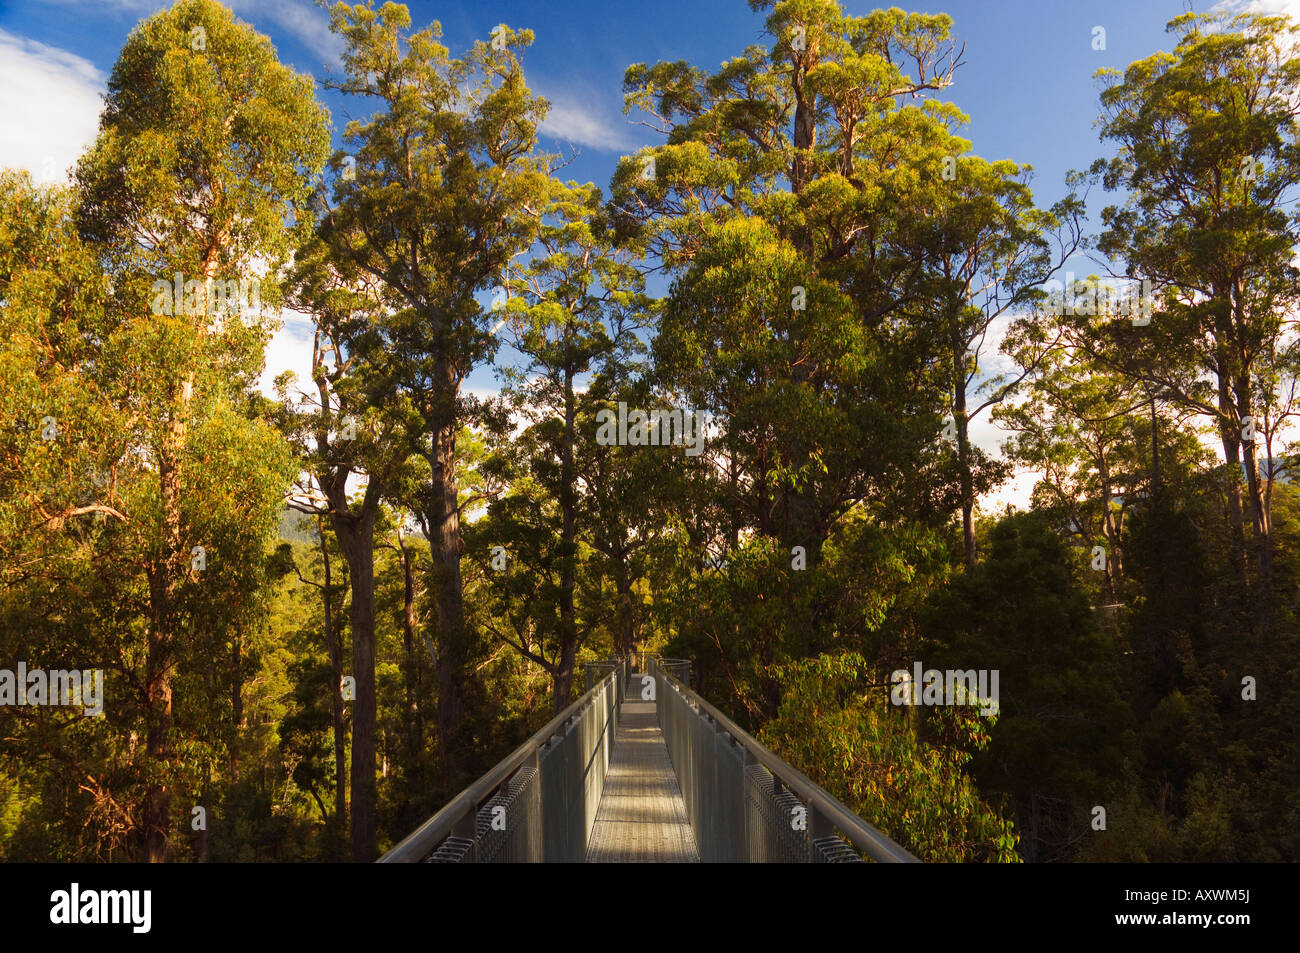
642	817
614	778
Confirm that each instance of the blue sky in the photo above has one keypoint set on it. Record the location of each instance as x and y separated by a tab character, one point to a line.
1028	84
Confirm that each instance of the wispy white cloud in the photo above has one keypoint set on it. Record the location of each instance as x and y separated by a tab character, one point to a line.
125	6
289	350
1289	7
583	121
50	98
49	107
301	19
1018	491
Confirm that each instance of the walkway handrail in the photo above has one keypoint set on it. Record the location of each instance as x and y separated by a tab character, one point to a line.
678	668
460	817
824	811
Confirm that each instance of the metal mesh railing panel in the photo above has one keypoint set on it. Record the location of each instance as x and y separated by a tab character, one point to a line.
737	808
546	809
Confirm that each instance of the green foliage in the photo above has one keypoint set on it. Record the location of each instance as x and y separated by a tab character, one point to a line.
1064	728
836	258
861	749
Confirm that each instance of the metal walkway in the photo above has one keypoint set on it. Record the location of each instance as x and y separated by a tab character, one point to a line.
642	817
640	769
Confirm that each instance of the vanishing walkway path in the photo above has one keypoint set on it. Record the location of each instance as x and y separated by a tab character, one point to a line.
642	817
614	778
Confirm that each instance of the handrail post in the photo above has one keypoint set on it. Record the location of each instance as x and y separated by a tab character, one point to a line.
818	828
749	847
467	828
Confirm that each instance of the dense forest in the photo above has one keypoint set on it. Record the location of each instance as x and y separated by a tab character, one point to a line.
319	616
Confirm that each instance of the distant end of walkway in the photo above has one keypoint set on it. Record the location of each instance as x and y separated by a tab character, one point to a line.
642	817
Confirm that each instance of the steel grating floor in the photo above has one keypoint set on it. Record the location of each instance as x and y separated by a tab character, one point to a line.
641	818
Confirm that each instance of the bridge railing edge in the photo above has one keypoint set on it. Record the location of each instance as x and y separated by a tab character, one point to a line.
459	817
825	811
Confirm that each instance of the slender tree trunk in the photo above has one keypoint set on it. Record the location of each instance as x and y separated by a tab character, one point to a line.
1232	456
1230	437
157	803
445	550
962	427
1259	509
1255	490
626	621
802	524
414	726
333	645
355	533
562	677
1155	455
169	572
1262	541
568	552
164	582
1109	529
805	130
